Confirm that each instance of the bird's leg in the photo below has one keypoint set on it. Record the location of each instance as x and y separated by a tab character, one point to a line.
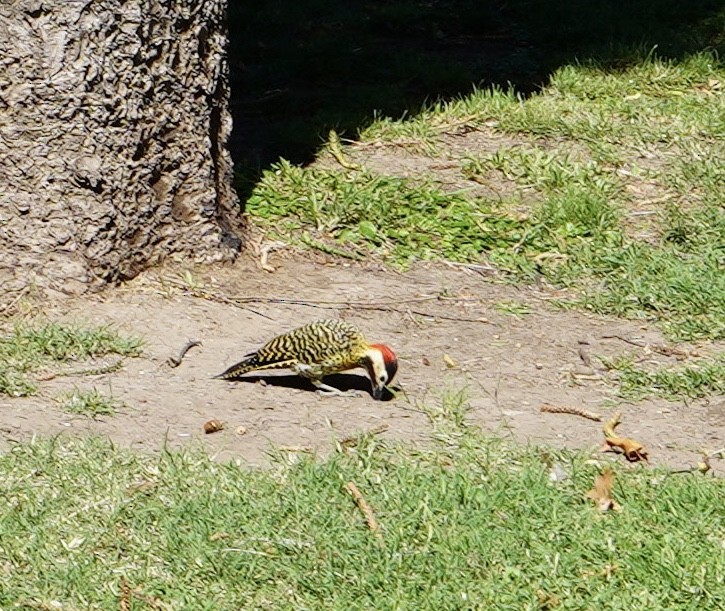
330	391
313	374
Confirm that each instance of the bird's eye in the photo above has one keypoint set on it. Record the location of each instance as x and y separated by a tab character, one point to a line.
383	378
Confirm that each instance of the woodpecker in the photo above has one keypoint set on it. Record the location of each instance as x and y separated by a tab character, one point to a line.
321	348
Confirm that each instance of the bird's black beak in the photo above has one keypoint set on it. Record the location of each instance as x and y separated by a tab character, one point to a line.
378	392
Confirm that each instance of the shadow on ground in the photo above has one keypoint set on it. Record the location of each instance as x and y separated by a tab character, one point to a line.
343	382
301	68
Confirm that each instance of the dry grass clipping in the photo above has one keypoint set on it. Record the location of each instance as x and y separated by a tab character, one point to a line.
365	508
565	409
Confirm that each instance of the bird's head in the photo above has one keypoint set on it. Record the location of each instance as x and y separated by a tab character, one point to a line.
382	365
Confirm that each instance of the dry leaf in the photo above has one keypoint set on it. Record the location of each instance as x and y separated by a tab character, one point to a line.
450	363
606	571
602	491
213	426
704	465
218	535
547	601
632	450
426	362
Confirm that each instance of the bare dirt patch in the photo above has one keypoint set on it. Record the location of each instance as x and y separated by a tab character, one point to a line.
508	365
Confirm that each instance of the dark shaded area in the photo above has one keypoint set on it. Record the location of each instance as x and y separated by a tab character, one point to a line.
343	382
299	68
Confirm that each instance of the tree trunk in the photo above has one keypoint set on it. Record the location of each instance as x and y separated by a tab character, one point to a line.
113	131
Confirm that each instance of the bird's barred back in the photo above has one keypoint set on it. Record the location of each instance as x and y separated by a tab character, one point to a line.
319	342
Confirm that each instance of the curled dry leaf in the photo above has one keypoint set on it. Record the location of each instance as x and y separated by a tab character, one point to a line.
632	450
213	426
602	491
450	363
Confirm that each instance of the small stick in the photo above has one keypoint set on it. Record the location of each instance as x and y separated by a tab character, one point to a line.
6	307
575	411
659	348
626	340
176	361
304	449
93	371
365	508
353	440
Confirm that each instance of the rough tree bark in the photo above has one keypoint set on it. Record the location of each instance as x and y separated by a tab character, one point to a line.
113	130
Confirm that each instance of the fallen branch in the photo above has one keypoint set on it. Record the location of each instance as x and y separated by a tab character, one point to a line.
565	409
365	508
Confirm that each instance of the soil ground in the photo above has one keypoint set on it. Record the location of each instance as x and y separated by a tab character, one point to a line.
433	316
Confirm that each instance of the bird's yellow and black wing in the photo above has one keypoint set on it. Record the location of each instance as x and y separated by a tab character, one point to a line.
328	343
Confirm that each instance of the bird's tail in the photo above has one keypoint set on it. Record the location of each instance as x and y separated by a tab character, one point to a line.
252	362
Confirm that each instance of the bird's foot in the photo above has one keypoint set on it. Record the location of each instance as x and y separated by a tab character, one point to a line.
330	391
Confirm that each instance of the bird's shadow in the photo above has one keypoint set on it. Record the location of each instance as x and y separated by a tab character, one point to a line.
343	382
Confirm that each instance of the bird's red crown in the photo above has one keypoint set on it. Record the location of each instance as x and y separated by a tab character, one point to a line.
391	361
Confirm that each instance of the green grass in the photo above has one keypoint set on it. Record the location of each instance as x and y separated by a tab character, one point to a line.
393	217
87	402
652	102
27	348
513	308
698	379
591	143
341	64
479	527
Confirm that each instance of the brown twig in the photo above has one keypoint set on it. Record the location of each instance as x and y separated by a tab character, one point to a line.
176	361
92	371
564	409
626	340
659	348
365	508
352	440
380	306
127	595
5	308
